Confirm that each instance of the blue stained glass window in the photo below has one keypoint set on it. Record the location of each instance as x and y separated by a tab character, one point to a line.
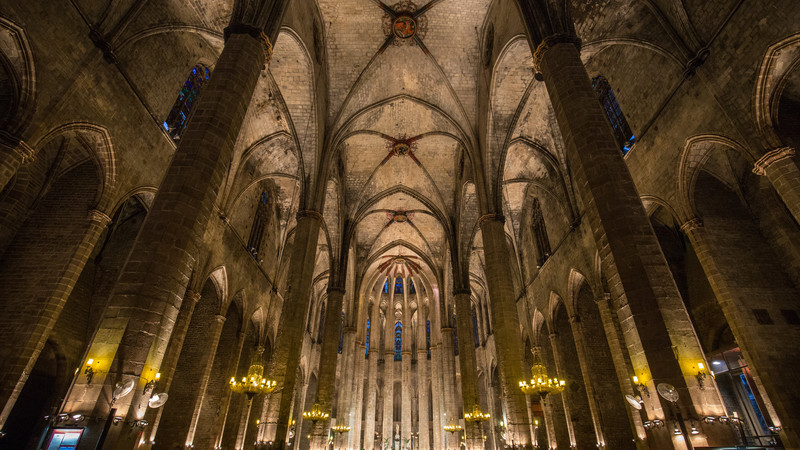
366	342
386	286
398	285
187	97
622	131
341	334
411	288
428	337
398	341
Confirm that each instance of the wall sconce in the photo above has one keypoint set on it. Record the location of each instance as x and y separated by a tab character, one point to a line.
118	419
640	387
88	371
723	419
676	430
775	430
658	423
151	385
701	374
78	417
709	419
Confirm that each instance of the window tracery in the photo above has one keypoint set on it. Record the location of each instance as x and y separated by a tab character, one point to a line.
187	97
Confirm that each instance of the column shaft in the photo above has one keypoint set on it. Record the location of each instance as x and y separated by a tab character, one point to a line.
781	169
469	367
508	340
13	154
329	356
286	357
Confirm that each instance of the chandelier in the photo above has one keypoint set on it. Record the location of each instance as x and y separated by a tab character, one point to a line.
254	383
340	429
452	428
476	415
540	383
315	414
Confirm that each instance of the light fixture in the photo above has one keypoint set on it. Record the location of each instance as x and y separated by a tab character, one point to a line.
78	417
695	430
701	374
452	428
315	414
676	430
640	387
340	429
775	429
709	419
540	383
723	419
118	419
151	384
89	371
476	415
254	383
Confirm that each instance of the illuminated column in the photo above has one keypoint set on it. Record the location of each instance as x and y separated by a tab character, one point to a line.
206	363
423	381
468	365
371	374
586	372
405	367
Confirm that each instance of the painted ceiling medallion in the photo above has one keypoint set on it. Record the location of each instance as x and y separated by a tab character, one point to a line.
401	148
404	27
404	24
399	216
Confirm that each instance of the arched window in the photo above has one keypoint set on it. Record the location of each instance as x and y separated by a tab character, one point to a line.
398	285
341	334
622	131
411	288
257	230
475	328
398	341
366	342
321	323
386	286
187	97
428	337
540	233
455	335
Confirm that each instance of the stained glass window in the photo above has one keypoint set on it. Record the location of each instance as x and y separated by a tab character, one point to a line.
386	286
540	233
341	334
398	285
187	97
428	337
622	131
257	230
411	288
366	342
398	341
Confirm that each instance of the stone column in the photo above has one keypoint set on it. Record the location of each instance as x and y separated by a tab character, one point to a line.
206	364
586	373
289	340
150	289
469	366
622	365
170	363
448	386
225	403
559	369
508	340
405	368
14	152
19	366
436	386
780	168
371	374
329	354
355	406
637	273
423	380
752	297
388	373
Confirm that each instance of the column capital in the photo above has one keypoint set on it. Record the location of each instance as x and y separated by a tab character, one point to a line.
220	318
99	217
550	42
255	33
192	295
18	146
779	154
309	213
574	318
692	224
337	289
491	218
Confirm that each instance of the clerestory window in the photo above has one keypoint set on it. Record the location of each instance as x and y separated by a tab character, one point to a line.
622	131
187	97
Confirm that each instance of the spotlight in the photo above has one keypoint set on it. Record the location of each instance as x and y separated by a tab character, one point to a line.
77	417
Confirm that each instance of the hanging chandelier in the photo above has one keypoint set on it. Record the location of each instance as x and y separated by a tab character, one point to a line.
315	414
540	383
340	429
254	383
452	428
476	415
